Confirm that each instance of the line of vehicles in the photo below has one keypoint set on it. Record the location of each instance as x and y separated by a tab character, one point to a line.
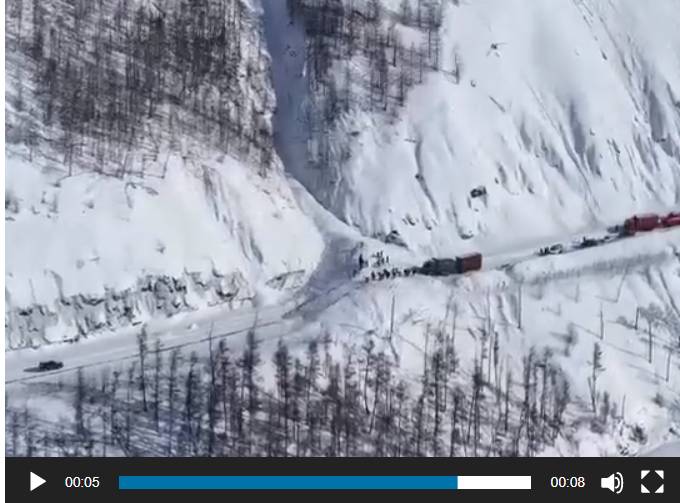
637	223
473	261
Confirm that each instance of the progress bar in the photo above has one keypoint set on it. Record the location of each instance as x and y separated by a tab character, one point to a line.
322	483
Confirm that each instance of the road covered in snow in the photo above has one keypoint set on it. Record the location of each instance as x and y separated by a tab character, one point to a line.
274	321
185	331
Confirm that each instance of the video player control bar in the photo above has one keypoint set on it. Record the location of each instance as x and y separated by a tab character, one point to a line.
316	482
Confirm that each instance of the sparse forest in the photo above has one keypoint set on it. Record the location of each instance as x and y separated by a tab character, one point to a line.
114	85
340	32
168	403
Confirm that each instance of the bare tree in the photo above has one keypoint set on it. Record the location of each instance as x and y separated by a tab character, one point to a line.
213	395
457	405
650	339
192	427
129	406
79	404
158	365
142	349
283	366
596	369
172	390
508	387
405	12
457	73
249	363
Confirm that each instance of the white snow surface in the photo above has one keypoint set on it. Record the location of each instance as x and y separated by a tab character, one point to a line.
572	121
94	232
73	232
667	450
559	295
572	124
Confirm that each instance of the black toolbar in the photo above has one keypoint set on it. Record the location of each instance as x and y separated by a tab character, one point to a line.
467	479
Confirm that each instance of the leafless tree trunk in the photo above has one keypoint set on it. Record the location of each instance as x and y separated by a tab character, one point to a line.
158	365
650	335
143	349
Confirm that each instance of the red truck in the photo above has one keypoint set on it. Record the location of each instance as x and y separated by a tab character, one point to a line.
469	262
448	266
670	220
638	223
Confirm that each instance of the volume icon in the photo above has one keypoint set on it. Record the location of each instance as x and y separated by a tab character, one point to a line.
614	483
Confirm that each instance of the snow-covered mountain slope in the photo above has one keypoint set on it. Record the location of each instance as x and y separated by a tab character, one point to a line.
559	309
120	207
546	315
105	241
567	113
165	194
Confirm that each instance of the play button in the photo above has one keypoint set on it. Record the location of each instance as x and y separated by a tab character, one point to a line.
36	481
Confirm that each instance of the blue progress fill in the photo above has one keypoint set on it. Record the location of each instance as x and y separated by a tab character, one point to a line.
285	482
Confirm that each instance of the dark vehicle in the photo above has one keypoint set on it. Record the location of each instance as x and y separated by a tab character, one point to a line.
641	223
478	191
440	267
555	249
587	242
447	266
50	365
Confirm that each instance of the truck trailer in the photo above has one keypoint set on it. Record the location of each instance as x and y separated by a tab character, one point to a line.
469	262
641	223
671	220
448	266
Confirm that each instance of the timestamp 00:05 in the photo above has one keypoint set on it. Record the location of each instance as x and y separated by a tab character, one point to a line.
84	482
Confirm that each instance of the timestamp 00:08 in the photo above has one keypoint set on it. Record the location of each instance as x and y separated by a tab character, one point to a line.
84	482
557	482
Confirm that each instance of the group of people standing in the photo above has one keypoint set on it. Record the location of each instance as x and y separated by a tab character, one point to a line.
380	260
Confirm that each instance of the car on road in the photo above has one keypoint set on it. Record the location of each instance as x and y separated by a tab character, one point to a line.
555	249
588	242
50	365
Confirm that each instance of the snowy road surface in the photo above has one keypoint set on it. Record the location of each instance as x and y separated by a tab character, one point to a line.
194	328
183	331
